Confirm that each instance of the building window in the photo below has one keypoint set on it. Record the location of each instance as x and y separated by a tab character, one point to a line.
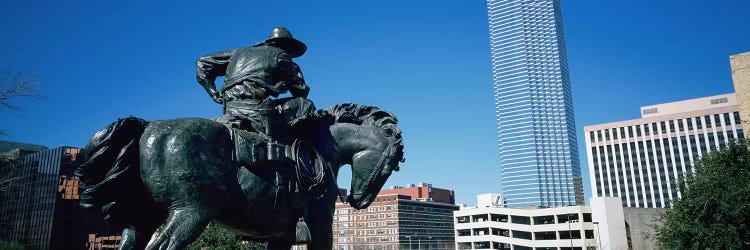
698	123
482	231
589	234
463	219
565	235
500	232
481	244
737	119
521	235
540	220
614	133
464	245
520	220
717	120
564	218
499	217
671	126
479	218
549	235
726	119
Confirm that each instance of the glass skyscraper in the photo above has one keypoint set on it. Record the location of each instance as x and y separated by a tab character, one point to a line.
39	205
534	107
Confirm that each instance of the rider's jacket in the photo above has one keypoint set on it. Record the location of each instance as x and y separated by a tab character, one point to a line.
254	72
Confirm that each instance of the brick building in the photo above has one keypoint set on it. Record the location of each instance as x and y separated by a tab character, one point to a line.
412	217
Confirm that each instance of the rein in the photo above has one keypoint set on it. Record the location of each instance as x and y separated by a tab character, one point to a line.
305	179
308	181
381	164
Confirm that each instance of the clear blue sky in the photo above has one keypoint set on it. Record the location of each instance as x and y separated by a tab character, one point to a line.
426	61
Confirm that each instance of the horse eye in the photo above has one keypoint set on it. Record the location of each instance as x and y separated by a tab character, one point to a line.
388	132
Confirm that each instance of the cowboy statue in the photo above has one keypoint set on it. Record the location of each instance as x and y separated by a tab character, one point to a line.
264	128
252	75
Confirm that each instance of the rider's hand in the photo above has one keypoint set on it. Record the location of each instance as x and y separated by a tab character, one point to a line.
217	97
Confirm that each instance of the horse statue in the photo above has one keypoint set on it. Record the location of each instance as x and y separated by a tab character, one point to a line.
163	181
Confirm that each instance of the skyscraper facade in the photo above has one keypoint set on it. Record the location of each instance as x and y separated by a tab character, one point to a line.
534	107
39	207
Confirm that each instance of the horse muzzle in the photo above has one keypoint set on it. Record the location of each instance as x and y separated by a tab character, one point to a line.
359	201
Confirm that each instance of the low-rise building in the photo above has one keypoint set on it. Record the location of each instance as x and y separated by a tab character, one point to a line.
599	226
398	220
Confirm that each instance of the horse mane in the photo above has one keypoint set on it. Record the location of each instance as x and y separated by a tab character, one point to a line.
363	114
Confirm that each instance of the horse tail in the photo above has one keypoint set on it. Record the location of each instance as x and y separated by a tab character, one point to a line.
110	174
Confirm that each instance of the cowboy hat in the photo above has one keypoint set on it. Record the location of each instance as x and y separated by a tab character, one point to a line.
282	38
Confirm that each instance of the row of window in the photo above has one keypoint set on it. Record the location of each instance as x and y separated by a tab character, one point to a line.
656	163
546	235
525	220
707	121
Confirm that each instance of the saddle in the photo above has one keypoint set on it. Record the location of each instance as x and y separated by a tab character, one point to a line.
301	160
287	124
252	149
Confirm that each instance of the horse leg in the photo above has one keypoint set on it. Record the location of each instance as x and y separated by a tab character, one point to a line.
319	218
187	166
128	241
134	238
280	244
181	229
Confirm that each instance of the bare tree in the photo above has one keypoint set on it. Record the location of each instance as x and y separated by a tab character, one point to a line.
15	86
7	168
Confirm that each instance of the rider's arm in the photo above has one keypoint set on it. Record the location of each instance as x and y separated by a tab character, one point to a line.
297	86
209	67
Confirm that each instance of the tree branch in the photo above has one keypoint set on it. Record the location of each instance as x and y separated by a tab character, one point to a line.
15	86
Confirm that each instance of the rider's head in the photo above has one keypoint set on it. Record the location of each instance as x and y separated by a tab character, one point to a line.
282	38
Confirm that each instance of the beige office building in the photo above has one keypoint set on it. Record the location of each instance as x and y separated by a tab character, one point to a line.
640	160
741	76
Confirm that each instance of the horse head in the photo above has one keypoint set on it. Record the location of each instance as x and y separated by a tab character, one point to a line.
369	140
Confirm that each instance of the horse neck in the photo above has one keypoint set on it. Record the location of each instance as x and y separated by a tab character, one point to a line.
352	139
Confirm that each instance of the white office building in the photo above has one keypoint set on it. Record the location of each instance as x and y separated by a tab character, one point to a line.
640	160
599	226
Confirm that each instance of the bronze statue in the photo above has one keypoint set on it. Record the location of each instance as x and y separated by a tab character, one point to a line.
252	75
255	170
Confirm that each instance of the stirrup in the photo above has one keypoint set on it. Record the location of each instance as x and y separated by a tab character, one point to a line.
303	232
